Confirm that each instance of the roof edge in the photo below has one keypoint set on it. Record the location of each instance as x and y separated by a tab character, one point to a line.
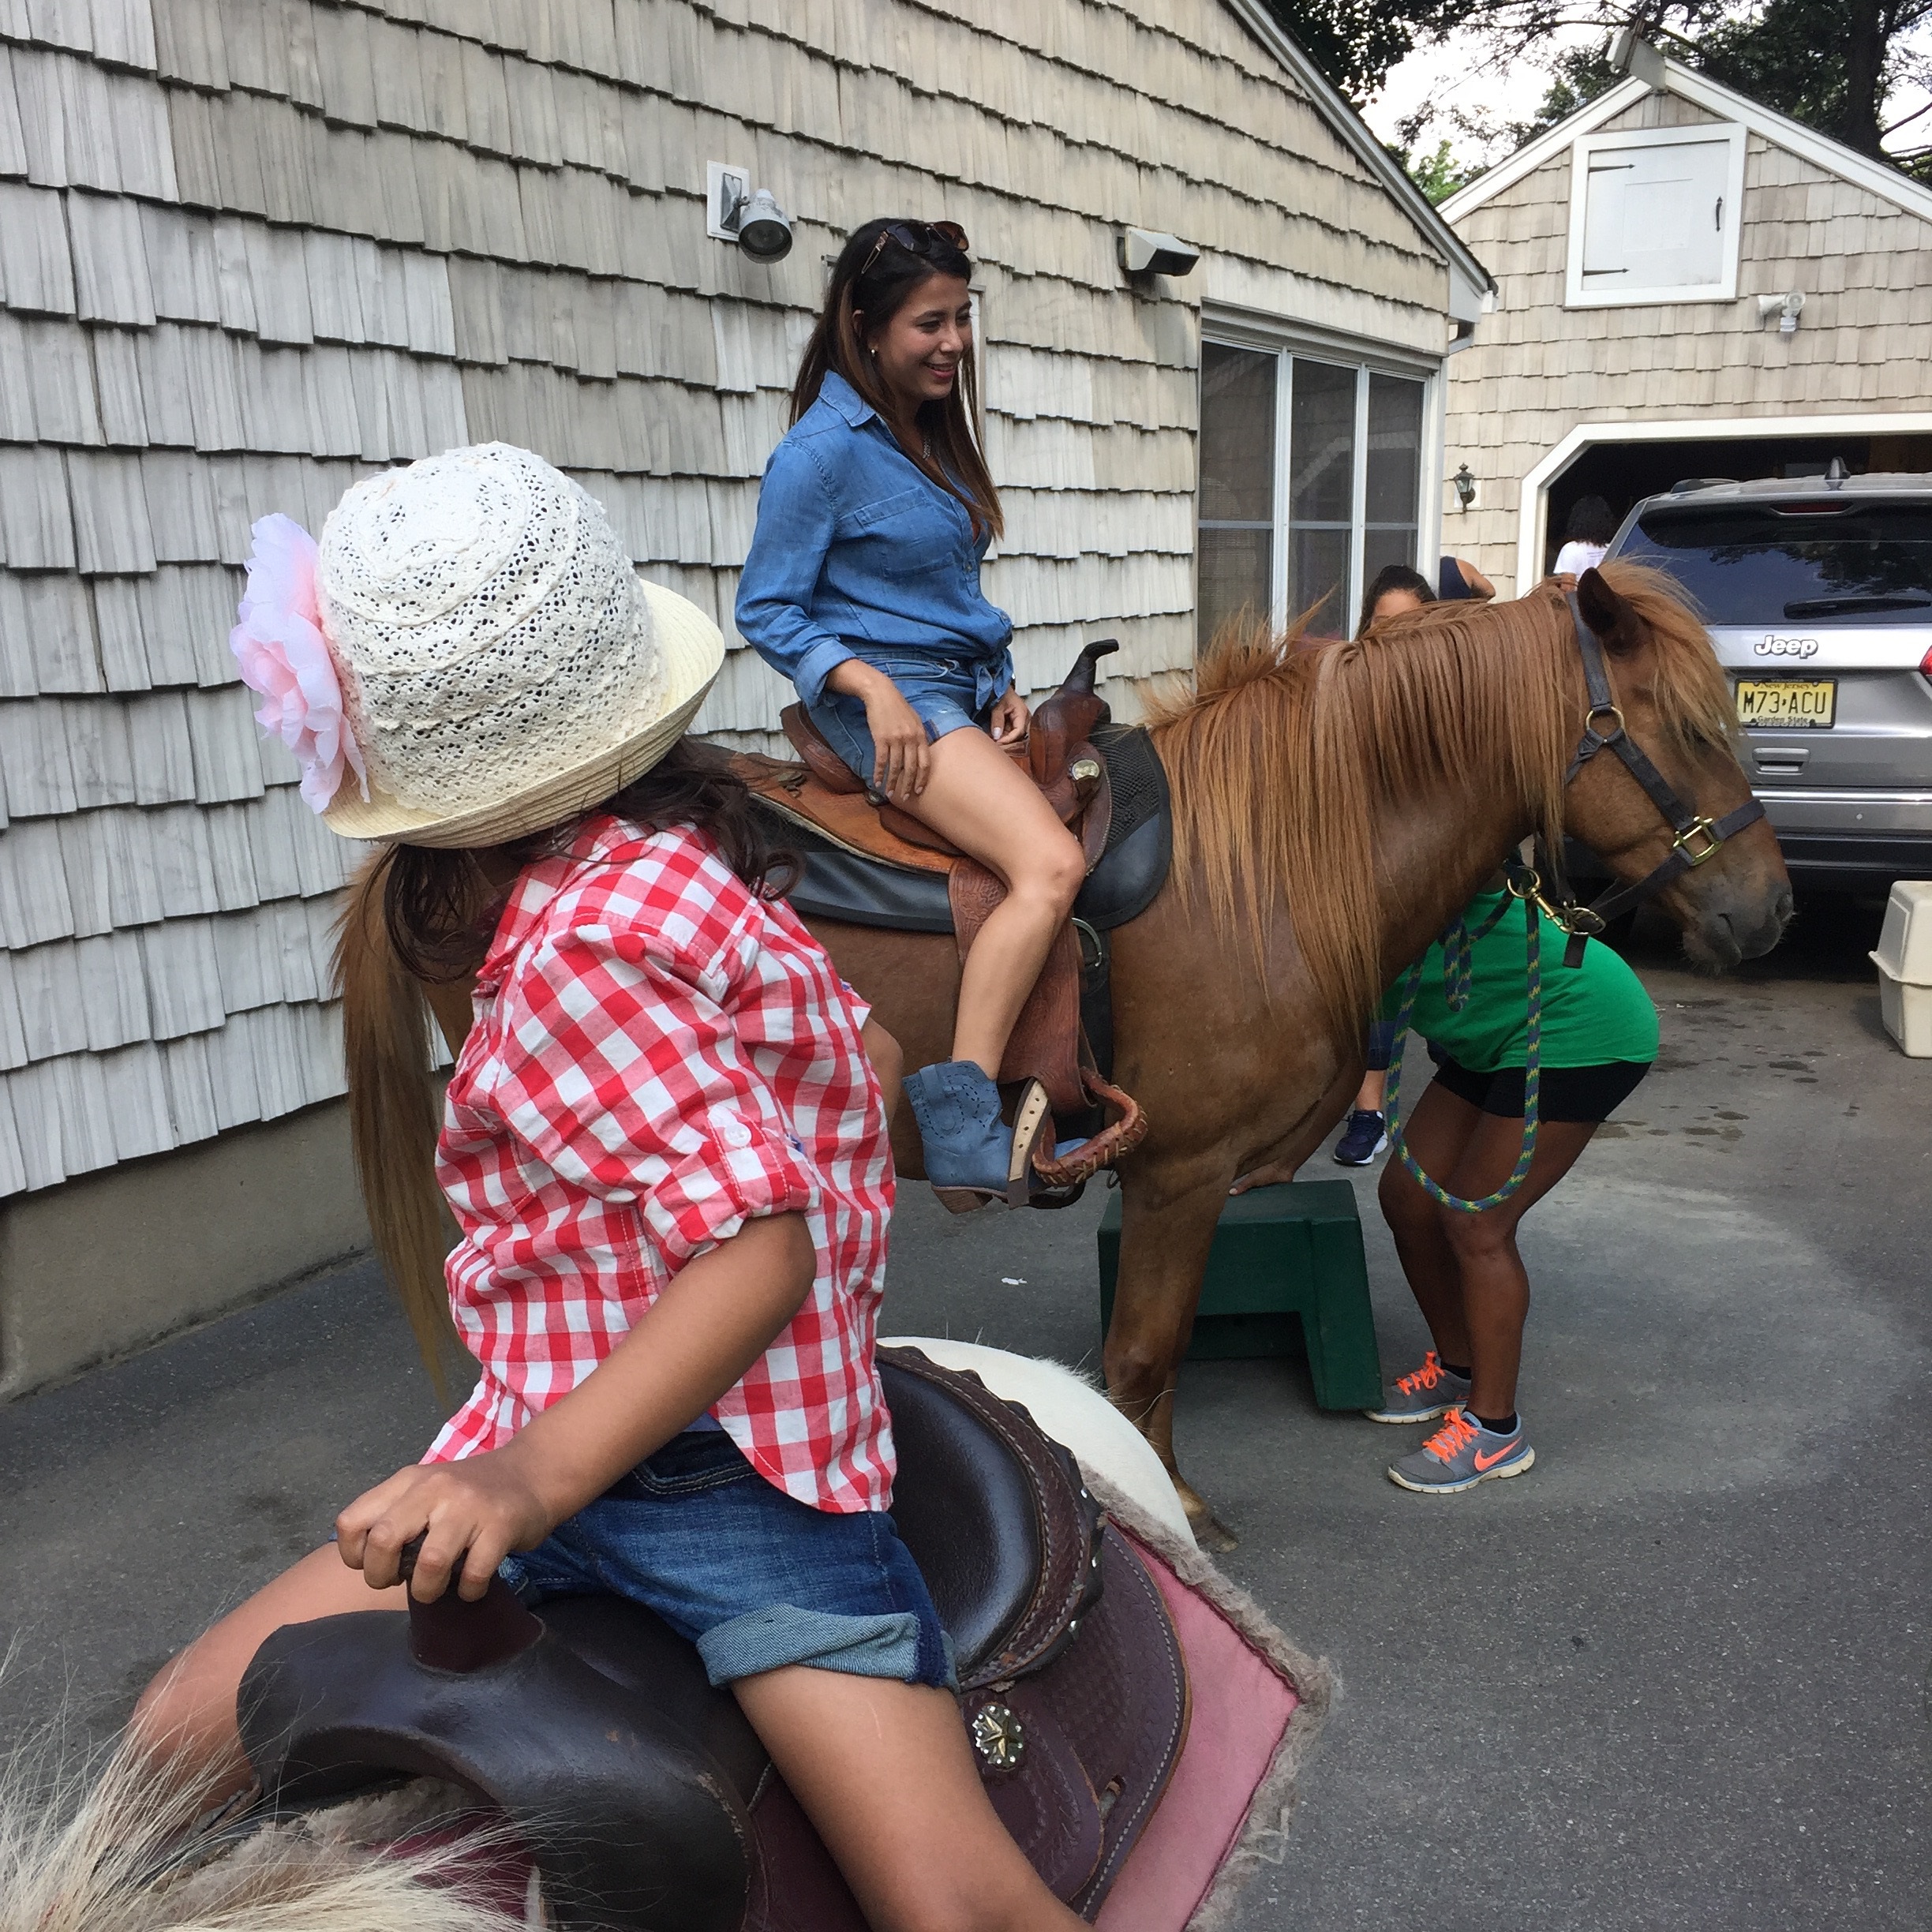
1701	91
1833	156
1546	147
1347	123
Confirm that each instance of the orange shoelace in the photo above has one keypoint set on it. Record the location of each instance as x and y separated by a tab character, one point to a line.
1426	1377
1456	1432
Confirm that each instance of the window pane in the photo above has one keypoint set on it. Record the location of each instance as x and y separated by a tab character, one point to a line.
1237	435
1318	561
1321	445
1394	449
1236	568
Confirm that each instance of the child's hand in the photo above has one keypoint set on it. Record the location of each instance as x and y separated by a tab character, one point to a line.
485	1506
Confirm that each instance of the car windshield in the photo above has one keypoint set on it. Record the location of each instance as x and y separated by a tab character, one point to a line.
1751	564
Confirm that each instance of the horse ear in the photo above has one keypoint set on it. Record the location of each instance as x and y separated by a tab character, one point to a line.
1606	613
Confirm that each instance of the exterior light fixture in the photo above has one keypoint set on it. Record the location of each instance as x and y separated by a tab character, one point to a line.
1145	251
1464	483
1786	308
760	228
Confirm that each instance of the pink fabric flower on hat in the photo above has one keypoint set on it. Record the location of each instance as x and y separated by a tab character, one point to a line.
283	656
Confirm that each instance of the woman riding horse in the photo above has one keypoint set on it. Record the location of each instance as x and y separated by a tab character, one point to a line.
863	587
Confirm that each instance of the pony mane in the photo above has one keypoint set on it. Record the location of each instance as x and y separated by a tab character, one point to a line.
1281	754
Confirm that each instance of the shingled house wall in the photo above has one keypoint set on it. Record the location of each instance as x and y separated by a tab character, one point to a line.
251	249
1538	368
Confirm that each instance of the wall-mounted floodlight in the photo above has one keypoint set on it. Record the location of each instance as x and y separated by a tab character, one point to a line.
760	228
1786	308
1145	251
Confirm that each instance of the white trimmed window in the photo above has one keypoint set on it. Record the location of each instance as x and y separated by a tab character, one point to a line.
1655	216
1311	481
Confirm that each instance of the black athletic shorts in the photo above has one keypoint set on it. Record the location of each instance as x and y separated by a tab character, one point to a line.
1584	1093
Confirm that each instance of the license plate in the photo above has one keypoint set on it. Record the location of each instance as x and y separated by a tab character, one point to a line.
1786	703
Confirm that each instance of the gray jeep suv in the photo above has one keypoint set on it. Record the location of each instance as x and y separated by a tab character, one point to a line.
1817	593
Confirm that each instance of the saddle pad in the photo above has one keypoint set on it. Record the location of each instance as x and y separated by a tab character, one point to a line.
837	883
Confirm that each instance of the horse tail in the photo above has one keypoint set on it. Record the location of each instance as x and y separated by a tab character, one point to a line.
392	1114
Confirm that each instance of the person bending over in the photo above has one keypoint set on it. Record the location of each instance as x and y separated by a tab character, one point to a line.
1599	1037
862	587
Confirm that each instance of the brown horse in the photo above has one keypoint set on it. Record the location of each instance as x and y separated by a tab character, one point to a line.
1334	808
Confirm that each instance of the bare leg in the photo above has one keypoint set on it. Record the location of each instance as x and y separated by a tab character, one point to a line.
1464	1269
980	799
1369	1096
902	1811
188	1713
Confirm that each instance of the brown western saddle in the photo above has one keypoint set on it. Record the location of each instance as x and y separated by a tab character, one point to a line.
821	793
589	1729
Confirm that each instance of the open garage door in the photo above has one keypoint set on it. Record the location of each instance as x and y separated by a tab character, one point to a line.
1624	463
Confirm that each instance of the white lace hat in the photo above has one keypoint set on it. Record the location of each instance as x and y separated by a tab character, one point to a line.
503	666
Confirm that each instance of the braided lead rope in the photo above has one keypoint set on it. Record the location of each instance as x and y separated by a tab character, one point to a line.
1457	968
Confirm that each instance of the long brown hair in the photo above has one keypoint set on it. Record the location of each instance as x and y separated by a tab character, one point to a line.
876	283
1279	755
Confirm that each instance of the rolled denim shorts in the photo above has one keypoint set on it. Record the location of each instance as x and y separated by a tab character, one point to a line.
755	1579
945	692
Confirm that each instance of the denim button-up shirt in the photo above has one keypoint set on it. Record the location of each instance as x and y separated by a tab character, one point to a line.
858	549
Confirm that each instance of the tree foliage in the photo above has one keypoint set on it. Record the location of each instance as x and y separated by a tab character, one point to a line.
1831	64
1355	43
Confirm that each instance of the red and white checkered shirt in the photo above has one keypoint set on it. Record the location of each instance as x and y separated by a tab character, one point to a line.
659	1056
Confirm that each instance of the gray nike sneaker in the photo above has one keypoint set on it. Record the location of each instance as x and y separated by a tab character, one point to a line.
1422	1395
1462	1454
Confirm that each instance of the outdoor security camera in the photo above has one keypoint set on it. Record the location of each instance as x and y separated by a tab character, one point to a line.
1145	251
760	228
764	231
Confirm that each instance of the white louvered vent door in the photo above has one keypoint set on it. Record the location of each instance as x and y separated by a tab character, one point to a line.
1657	217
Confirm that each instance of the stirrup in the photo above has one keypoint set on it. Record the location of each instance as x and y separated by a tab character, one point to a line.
1033	1121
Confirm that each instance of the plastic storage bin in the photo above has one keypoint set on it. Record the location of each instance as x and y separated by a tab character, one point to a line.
1904	963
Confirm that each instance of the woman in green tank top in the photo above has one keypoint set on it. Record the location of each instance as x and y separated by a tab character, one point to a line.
1598	1035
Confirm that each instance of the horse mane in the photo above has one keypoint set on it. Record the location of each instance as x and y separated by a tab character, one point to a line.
1281	753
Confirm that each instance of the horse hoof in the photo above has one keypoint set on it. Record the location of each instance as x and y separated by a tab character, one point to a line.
1211	1535
1210	1532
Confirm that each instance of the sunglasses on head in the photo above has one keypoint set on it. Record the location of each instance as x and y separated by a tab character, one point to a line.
918	237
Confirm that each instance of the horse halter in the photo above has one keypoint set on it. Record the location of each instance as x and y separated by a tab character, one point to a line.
1697	838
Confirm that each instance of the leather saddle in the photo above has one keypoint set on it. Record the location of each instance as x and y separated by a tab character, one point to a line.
644	1798
838	818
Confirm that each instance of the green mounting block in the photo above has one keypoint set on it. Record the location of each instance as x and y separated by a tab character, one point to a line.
1284	1259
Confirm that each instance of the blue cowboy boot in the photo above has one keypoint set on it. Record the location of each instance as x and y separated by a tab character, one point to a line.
972	1155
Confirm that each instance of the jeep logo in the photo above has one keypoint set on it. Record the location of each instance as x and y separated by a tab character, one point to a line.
1773	646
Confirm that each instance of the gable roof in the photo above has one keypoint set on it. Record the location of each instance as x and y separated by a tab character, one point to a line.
1379	162
1654	73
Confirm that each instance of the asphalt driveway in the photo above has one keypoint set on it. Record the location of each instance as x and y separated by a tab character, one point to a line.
1675	1675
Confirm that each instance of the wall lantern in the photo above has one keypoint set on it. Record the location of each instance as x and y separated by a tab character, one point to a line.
760	228
1464	483
1145	251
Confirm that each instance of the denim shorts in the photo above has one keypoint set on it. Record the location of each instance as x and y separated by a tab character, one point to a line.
755	1579
948	694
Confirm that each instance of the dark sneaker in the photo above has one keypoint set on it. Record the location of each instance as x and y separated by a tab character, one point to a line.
1462	1454
1365	1136
1423	1394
